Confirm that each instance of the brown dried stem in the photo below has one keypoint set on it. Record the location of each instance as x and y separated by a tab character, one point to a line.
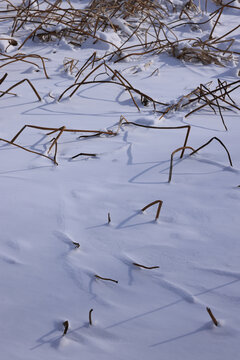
171	161
66	326
109	132
188	127
146	267
212	316
107	279
83	154
90	316
208	142
31	151
159	202
20	82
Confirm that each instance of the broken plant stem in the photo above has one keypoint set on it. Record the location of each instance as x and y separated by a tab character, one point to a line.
56	139
212	316
90	316
188	127
20	82
107	279
208	142
76	244
31	151
159	202
171	161
83	154
64	130
66	326
146	267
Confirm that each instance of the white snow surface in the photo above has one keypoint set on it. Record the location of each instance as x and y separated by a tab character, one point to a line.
149	314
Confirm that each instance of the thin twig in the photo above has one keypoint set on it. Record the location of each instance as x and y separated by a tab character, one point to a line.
107	279
212	316
90	316
146	267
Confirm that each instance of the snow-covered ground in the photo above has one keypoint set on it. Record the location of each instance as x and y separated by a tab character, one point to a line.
45	279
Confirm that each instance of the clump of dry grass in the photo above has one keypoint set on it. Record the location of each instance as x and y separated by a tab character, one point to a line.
217	99
146	21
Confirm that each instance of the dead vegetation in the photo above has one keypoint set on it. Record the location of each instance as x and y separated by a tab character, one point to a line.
150	25
217	99
142	27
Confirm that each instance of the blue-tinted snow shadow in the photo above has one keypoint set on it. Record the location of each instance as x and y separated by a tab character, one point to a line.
54	340
44	110
205	327
137	213
51	338
200	115
215	164
141	315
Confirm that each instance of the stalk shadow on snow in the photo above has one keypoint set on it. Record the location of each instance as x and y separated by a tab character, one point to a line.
52	341
44	110
206	326
178	161
56	340
123	223
157	164
199	126
138	316
22	170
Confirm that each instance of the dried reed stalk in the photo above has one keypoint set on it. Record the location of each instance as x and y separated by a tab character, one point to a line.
28	150
3	78
83	154
208	142
159	202
22	58
188	127
109	132
90	316
19	83
122	81
107	279
61	130
212	316
171	161
66	326
146	267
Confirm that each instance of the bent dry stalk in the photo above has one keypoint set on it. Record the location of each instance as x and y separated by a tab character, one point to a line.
171	161
52	130
31	151
188	127
220	142
159	202
83	154
19	83
146	267
90	316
